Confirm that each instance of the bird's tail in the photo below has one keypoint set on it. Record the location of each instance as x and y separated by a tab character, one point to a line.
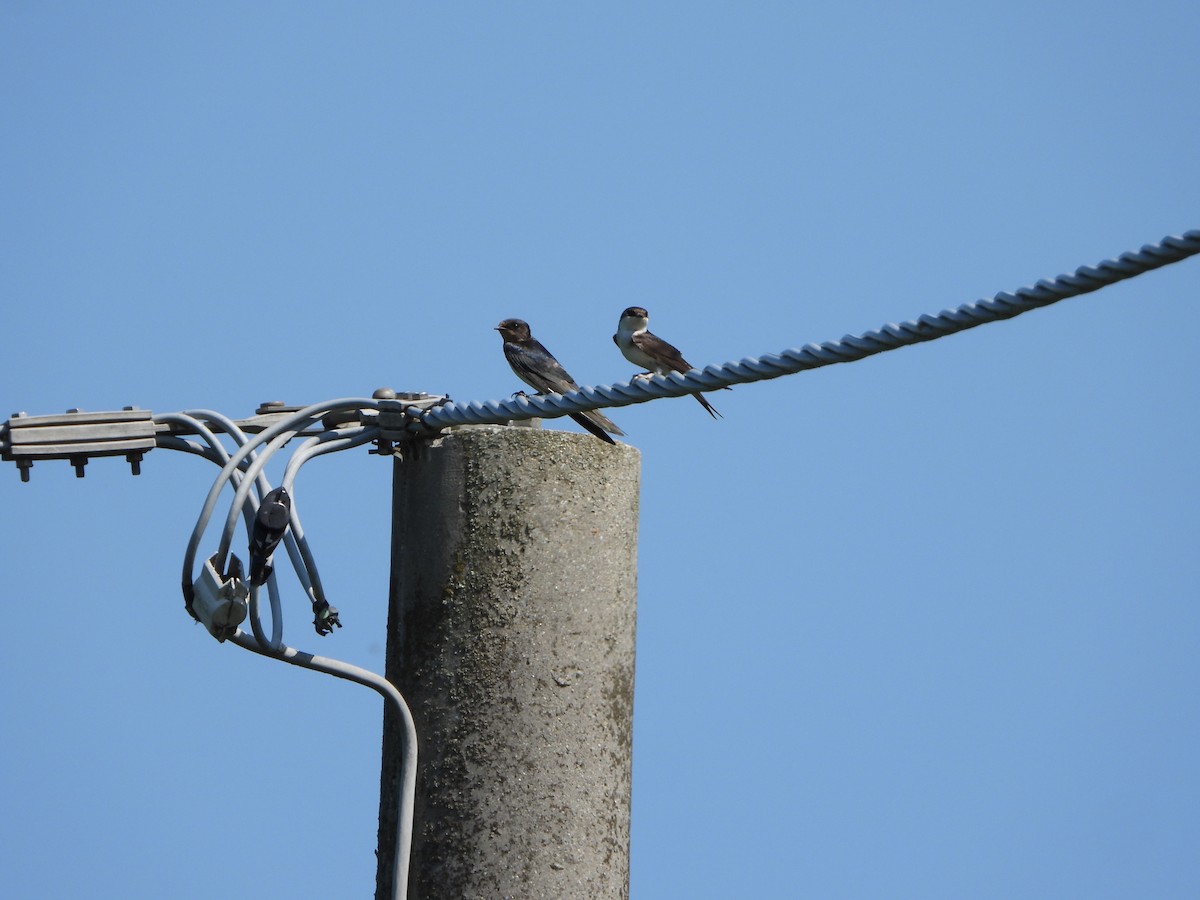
712	410
597	424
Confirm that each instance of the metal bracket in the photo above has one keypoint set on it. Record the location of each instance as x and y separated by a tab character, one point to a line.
77	436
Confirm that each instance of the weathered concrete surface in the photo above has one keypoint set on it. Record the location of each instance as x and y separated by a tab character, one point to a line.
511	635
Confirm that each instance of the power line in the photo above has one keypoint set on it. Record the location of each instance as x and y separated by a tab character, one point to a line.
386	418
813	356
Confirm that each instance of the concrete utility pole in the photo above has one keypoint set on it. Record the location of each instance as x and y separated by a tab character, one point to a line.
511	635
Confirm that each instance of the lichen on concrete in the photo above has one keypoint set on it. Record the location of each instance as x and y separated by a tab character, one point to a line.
512	637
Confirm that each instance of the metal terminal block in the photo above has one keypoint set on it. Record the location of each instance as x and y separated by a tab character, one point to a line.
77	436
219	602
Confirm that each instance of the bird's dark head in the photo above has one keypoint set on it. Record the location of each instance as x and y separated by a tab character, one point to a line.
635	312
514	330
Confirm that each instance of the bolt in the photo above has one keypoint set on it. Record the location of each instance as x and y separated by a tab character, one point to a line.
269	406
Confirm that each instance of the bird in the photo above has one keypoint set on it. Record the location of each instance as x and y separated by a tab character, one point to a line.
642	348
538	368
270	522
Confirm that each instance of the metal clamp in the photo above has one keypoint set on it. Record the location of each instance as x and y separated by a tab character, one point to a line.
77	436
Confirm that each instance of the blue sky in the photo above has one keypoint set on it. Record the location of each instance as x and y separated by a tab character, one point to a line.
920	626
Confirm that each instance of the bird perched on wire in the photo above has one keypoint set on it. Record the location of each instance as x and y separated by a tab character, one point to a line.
270	523
535	366
651	352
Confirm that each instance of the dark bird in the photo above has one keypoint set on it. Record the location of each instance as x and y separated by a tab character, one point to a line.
535	366
270	523
650	351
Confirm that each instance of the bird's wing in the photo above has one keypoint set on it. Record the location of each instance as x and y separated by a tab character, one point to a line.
662	352
536	367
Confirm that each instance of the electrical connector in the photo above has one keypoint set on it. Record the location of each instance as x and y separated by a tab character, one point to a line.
325	618
270	523
218	601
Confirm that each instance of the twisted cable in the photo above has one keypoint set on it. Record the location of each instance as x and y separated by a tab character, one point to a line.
813	356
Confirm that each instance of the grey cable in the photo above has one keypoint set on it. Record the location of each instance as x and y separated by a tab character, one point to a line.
327	442
235	461
192	419
408	779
